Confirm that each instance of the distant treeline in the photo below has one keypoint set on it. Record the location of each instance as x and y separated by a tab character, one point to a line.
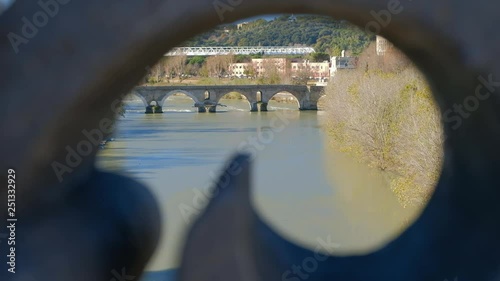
325	34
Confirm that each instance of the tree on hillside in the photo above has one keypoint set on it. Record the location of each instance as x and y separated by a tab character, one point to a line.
197	60
319	57
243	42
321	32
335	51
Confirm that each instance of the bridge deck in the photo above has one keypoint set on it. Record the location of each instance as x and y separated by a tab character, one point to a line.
214	51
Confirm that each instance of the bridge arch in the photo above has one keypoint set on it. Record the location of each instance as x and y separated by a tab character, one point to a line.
141	97
169	94
247	96
296	96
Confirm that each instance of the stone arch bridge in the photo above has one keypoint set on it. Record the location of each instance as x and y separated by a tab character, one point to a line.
208	97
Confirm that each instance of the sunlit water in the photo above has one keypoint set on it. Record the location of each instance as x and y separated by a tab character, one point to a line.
305	190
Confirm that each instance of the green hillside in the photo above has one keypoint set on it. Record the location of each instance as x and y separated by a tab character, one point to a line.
323	33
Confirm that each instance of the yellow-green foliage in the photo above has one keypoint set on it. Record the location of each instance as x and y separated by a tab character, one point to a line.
388	120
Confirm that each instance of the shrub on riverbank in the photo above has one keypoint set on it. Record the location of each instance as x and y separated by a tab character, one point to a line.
383	114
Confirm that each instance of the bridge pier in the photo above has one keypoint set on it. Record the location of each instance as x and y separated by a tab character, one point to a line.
309	106
256	106
202	109
212	109
152	109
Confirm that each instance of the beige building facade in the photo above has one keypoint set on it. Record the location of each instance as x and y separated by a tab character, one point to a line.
284	66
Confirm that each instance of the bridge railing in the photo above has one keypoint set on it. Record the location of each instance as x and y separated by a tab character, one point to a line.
213	51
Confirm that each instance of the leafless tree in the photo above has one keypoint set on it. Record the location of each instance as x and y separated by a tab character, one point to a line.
303	75
251	72
168	70
385	114
178	64
192	69
218	65
155	73
273	71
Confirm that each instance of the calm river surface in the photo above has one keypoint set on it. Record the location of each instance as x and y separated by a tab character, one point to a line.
305	190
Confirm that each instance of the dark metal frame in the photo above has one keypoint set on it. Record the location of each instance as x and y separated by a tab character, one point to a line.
91	52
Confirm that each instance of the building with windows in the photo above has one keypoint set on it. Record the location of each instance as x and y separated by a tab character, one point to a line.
240	69
316	70
342	63
279	65
259	66
383	45
284	66
320	71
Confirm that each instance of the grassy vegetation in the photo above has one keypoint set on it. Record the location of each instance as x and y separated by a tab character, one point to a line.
384	115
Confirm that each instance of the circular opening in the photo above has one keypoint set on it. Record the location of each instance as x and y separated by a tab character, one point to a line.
353	171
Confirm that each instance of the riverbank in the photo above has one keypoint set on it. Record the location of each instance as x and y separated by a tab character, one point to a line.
384	115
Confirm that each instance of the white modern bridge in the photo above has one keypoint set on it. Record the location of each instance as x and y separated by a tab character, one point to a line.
214	51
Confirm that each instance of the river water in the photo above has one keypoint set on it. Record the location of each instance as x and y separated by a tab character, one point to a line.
300	186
